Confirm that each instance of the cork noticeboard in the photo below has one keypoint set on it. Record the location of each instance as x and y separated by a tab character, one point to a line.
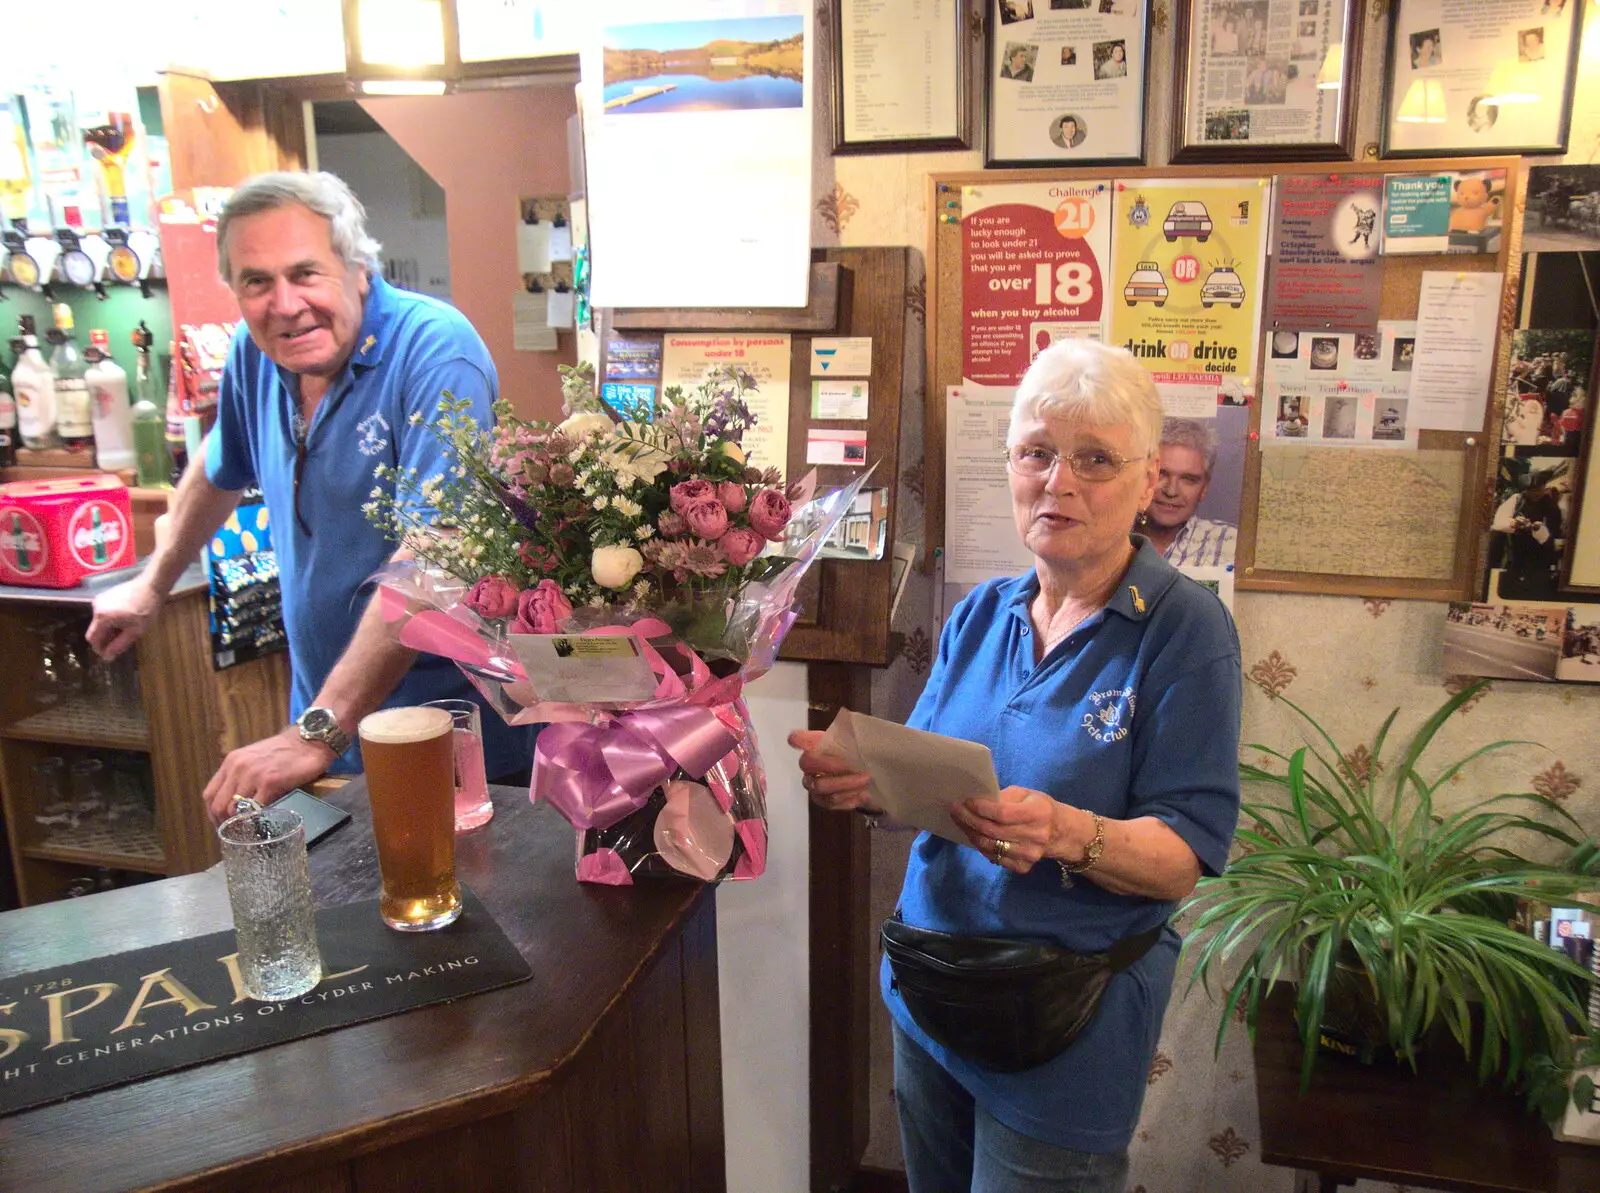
1406	524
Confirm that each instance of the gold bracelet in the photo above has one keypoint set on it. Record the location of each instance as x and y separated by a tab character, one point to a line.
1091	854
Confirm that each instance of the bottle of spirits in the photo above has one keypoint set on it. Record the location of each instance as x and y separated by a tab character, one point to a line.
74	411
35	389
113	416
175	441
8	423
149	420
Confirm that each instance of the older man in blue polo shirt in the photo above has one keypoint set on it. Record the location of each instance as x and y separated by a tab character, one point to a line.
324	382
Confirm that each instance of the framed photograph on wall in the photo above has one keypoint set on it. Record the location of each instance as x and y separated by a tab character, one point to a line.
1581	567
1480	79
1266	80
900	80
1065	82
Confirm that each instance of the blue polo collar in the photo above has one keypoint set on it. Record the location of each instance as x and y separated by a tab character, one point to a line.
1146	581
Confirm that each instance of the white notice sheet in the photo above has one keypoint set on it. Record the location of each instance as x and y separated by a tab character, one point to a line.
980	537
893	52
1454	355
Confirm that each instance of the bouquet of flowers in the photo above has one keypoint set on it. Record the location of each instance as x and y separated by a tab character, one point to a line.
545	548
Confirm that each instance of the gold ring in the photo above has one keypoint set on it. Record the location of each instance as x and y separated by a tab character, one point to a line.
1001	848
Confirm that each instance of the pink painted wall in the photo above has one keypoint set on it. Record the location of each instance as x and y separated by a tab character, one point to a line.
487	149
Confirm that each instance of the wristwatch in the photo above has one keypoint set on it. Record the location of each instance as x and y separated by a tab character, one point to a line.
320	725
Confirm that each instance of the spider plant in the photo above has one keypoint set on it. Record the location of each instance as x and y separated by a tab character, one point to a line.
1342	870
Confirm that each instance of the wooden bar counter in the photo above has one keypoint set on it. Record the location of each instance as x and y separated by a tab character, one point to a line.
602	1073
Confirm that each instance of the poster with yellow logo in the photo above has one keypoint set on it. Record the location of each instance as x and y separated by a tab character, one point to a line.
1188	258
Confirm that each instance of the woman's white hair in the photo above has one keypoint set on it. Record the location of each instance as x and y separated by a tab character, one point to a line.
1093	383
324	193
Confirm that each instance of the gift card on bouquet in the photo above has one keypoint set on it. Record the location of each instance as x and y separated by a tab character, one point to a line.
577	669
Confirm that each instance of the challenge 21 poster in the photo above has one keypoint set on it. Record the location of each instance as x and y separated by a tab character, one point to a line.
1185	285
1033	270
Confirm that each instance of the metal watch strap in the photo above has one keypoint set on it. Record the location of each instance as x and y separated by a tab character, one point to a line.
1091	853
331	735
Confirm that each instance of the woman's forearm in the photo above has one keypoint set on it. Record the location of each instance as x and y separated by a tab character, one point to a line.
1142	856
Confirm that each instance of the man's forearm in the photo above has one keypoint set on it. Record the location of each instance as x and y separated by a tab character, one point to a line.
371	667
198	508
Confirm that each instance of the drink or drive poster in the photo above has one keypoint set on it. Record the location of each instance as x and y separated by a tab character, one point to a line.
1186	274
1034	257
1325	262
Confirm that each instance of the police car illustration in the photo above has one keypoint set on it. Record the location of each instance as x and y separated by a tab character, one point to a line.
1188	217
1145	284
1222	286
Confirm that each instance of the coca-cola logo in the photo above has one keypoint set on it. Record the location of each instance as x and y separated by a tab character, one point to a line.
22	542
96	533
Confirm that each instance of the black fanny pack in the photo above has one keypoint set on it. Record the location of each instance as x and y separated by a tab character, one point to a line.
1004	1005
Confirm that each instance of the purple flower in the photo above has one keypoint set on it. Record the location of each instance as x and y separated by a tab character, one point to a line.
770	513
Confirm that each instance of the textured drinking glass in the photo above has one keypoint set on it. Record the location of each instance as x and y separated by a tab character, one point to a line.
269	886
409	756
473	806
53	801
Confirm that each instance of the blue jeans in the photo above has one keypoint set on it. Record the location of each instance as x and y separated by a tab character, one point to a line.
953	1145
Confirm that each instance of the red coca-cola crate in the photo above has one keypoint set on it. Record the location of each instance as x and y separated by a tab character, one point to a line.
54	533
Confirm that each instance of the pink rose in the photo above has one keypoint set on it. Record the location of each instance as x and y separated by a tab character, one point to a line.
671	525
684	493
493	597
733	496
706	518
541	610
740	545
770	513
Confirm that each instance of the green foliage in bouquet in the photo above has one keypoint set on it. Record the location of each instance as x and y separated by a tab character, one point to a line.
1353	882
619	516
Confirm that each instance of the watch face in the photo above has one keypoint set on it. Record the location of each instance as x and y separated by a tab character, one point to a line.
24	270
124	264
77	268
317	720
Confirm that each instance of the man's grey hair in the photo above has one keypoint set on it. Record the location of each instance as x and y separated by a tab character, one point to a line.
1195	433
323	193
1093	383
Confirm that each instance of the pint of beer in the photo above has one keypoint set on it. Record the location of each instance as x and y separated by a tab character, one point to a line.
409	755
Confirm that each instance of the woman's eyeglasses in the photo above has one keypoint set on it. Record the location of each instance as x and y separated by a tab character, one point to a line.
1087	463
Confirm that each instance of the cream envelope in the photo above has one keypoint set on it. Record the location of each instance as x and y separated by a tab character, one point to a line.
916	775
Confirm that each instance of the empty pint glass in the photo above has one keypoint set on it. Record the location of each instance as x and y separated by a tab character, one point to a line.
269	888
409	756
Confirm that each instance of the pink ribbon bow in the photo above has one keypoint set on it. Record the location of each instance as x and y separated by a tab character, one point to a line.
594	775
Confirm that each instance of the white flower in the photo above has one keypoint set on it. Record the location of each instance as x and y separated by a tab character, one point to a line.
643	532
627	508
584	424
600	503
377	491
615	567
416	418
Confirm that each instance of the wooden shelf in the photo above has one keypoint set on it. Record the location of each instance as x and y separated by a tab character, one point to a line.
102	845
83	725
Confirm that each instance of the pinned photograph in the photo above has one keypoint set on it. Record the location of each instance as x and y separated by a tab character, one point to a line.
1366	346
1324	352
1546	388
1580	645
1503	641
1527	533
1563	210
1285	345
1405	349
723	65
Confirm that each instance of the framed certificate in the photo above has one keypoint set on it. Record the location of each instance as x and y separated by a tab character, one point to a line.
1065	82
900	79
1493	77
1266	80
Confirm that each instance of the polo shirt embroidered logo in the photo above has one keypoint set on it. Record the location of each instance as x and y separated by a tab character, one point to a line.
1112	717
373	429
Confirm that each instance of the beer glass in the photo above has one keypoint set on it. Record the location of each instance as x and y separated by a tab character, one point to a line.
473	806
409	756
269	888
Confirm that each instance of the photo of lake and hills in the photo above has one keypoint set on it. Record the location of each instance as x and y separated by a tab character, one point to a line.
705	66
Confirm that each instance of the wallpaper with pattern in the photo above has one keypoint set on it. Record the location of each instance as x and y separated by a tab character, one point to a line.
1348	661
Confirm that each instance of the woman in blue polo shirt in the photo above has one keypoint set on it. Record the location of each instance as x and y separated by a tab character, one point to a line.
1107	687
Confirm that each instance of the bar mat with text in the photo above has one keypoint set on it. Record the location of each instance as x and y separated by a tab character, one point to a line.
75	1028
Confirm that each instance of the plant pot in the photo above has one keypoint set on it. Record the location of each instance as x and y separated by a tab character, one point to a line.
1352	1025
